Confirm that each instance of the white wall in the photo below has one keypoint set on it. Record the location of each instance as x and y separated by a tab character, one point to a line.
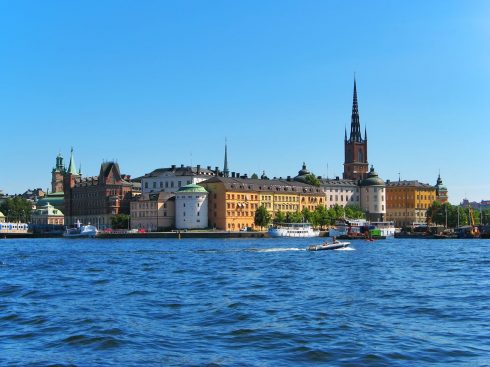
191	210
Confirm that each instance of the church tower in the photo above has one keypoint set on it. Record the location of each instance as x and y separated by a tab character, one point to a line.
70	178
356	163
57	175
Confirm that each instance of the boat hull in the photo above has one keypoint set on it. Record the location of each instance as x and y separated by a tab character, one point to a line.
330	246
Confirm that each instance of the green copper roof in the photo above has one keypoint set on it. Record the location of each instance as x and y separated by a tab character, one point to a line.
372	179
192	188
72	168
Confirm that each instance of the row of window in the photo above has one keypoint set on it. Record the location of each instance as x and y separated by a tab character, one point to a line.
168	184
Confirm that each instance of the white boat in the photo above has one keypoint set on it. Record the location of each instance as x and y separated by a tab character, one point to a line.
387	228
328	246
347	227
353	227
81	231
293	230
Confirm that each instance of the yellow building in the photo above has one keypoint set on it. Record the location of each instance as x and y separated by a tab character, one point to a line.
153	211
407	202
233	201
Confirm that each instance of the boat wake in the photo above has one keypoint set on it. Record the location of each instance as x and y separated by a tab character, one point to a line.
345	249
276	249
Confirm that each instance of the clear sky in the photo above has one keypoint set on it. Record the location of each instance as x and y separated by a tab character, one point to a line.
156	83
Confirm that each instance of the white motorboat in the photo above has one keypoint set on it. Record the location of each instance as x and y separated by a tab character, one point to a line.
293	230
81	231
328	246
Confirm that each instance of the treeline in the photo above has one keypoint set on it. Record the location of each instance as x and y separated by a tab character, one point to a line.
437	213
17	209
320	217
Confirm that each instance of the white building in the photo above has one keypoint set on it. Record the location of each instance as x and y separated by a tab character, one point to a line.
191	207
341	192
173	178
373	196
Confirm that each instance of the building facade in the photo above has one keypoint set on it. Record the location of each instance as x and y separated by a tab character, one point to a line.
153	211
355	148
191	207
173	178
341	192
373	197
57	174
47	215
407	202
233	201
96	199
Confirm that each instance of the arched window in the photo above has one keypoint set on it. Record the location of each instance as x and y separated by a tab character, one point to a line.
360	156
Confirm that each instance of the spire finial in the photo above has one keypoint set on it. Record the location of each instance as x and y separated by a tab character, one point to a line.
226	171
355	126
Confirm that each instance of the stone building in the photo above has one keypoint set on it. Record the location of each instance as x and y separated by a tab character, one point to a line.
191	207
47	215
172	178
373	197
234	200
153	211
407	202
96	199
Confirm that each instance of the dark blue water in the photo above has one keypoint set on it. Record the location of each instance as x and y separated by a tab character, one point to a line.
243	303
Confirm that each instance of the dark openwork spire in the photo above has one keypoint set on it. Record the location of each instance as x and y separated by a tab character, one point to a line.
226	171
355	126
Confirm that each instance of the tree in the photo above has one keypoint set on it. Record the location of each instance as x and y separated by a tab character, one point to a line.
321	216
312	180
307	215
354	212
295	217
279	217
17	209
120	221
254	176
262	217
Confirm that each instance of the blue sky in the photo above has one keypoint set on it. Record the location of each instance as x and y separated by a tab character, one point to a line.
155	83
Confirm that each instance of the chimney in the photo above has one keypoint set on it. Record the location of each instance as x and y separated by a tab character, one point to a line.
245	176
209	168
337	178
181	166
238	175
289	178
198	168
173	166
233	175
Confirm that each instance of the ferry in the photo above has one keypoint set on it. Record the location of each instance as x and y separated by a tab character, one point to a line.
81	231
293	230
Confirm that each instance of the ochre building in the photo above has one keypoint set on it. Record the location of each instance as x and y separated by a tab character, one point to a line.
407	202
233	201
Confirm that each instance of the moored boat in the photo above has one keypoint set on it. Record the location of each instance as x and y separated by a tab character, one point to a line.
293	230
81	231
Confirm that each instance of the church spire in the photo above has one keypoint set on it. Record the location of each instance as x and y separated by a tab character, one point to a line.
72	168
355	126
226	171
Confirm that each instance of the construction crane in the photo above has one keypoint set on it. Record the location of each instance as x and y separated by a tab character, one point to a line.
474	231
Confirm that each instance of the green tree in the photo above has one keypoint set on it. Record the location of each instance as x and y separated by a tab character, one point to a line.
321	216
308	216
312	180
120	221
254	176
295	217
262	217
354	212
17	209
279	217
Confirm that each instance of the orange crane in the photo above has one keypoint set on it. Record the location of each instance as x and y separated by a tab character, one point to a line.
474	231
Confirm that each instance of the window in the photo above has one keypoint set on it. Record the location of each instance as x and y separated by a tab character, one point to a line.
179	184
172	184
166	184
146	185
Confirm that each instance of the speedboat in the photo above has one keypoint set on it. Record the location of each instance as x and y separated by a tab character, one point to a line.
328	246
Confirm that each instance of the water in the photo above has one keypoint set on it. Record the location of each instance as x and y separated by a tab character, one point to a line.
257	302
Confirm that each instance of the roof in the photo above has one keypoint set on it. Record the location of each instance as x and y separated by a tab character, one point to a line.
181	171
372	179
408	183
161	196
47	209
250	184
337	182
192	188
1	215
